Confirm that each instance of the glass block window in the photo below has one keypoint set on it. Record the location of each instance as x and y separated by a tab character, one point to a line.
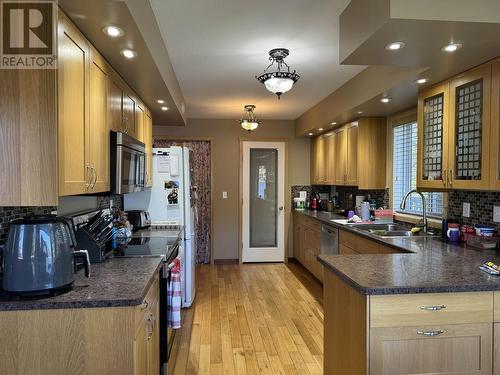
405	173
468	130
433	138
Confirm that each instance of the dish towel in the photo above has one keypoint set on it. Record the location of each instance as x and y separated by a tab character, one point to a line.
174	295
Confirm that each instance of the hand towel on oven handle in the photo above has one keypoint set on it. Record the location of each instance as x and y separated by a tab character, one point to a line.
174	297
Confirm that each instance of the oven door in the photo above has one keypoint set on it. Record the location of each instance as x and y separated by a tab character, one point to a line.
131	168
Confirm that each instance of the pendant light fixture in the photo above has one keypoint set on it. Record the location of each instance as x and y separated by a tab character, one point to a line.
249	121
277	77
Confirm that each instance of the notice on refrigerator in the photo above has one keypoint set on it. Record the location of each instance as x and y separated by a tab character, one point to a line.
174	165
163	165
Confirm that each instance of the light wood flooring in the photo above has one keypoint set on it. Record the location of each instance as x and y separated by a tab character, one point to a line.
252	319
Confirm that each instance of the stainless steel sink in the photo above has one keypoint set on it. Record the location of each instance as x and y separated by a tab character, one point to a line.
389	230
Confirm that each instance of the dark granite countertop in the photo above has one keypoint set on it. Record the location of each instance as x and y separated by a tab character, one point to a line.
113	283
429	265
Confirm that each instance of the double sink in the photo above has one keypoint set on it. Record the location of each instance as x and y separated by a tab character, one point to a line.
388	230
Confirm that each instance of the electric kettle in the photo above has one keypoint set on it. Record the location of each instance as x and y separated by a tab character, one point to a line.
39	256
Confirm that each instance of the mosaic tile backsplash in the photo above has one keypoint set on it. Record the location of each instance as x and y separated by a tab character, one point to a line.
481	207
7	214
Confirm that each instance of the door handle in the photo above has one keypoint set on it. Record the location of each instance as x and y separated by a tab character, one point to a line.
445	176
88	176
450	179
95	177
280	208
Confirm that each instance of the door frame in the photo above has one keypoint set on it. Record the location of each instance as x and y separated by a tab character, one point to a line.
240	194
210	140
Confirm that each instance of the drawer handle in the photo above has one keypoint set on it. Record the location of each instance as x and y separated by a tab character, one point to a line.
433	308
430	333
144	305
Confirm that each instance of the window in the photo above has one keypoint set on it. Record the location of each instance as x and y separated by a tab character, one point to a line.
405	173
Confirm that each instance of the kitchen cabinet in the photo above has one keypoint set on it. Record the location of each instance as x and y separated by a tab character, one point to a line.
129	116
351	243
139	123
495	128
115	103
148	141
340	152
318	160
98	153
73	109
454	132
445	349
351	158
307	243
330	157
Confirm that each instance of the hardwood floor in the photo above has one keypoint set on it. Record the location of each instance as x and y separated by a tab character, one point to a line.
252	319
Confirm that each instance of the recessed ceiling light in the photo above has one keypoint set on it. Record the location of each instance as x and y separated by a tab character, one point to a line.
113	31
310	134
385	100
452	47
160	101
359	112
421	81
394	46
128	53
164	108
333	123
320	129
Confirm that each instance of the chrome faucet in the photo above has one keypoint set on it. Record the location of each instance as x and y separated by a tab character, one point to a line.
424	207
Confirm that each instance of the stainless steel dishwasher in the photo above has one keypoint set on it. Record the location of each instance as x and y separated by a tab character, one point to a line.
329	240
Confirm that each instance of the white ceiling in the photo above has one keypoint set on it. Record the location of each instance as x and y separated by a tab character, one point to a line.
218	46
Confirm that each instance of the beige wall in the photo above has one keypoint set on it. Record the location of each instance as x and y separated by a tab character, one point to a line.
226	135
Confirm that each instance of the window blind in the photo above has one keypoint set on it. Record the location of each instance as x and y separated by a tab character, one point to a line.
405	173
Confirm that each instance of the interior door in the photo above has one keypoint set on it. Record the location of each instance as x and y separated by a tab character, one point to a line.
263	221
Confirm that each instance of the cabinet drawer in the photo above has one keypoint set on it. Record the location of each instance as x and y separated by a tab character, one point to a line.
345	250
357	243
311	223
435	308
463	349
149	303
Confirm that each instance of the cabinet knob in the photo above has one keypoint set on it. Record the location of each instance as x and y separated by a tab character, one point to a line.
144	305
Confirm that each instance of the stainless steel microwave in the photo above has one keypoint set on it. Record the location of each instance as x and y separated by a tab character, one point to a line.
128	164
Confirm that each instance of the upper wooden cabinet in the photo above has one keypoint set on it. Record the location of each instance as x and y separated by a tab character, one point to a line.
115	104
129	117
73	109
353	154
139	123
495	129
148	141
454	132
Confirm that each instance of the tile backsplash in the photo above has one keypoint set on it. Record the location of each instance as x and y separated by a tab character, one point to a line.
7	214
481	207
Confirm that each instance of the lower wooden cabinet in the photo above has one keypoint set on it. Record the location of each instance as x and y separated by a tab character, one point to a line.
446	349
307	243
351	243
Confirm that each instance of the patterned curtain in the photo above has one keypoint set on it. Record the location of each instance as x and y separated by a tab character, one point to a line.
200	177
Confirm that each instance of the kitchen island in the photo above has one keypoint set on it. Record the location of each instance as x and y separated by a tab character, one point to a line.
425	310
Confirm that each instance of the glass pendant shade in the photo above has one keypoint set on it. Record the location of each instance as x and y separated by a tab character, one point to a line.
249	122
278	86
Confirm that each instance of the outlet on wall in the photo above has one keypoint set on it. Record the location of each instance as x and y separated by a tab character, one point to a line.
224	195
111	204
496	214
466	209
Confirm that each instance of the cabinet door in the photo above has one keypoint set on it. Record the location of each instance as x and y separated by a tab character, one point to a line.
330	159
352	155
495	129
321	160
139	123
141	348
432	162
496	349
154	342
296	237
340	144
115	97
469	135
73	109
99	129
129	115
463	349
148	141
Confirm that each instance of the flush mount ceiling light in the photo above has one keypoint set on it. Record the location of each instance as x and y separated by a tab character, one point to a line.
249	121
310	134
164	108
113	31
421	81
280	79
452	47
385	99
394	46
160	101
128	53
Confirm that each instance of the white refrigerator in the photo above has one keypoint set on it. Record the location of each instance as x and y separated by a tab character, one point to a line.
170	202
